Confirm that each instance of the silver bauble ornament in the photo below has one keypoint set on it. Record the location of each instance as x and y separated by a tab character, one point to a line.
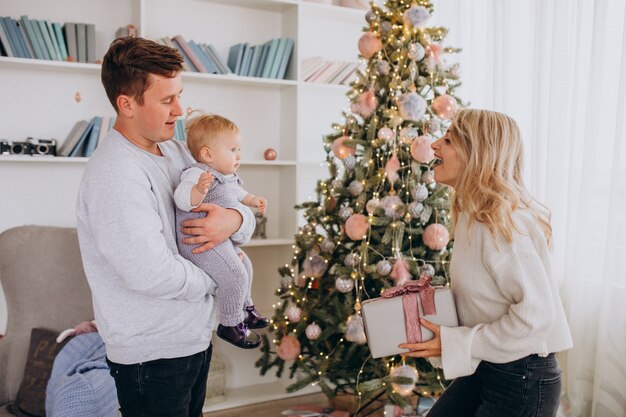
383	267
344	285
416	51
385	28
371	16
408	135
337	183
355	331
420	193
407	372
345	212
428	177
352	259
415	209
349	162
314	266
285	282
355	188
433	125
393	206
426	213
372	205
382	67
327	245
454	71
428	270
416	16
294	314
412	106
313	331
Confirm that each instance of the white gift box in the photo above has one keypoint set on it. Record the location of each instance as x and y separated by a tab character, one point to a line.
384	320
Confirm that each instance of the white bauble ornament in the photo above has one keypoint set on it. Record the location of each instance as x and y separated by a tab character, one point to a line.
420	193
313	331
355	331
327	245
416	16
408	135
349	162
416	51
345	212
314	266
412	106
337	183
294	314
382	67
371	16
426	213
428	270
393	206
385	134
428	177
372	205
286	282
415	209
355	188
352	259
383	267
344	285
433	125
407	372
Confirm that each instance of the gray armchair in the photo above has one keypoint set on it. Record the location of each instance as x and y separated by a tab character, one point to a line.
45	286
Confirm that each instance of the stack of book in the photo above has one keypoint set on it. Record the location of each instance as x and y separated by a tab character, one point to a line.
269	60
85	136
198	57
318	70
42	39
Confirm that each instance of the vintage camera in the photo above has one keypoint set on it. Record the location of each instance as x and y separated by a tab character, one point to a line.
5	147
43	146
21	148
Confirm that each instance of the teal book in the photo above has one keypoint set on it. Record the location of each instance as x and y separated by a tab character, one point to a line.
46	37
69	29
30	31
42	44
94	135
79	147
210	49
4	40
14	41
234	57
24	37
271	56
72	138
285	59
280	50
60	40
55	42
254	64
246	60
210	67
20	38
262	59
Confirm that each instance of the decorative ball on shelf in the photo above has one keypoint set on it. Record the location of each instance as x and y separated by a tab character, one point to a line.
428	270
289	348
369	44
285	282
415	209
349	163
313	331
294	314
408	135
386	28
327	245
382	67
365	104
436	236
355	331
416	51
405	371
352	259
393	206
445	106
372	205
344	285
391	168
412	106
269	154
385	134
400	272
383	267
356	226
428	176
314	266
421	150
416	16
341	149
432	126
355	188
419	193
345	212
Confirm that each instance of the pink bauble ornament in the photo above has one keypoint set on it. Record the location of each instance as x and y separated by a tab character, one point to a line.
341	150
421	150
391	169
294	314
289	348
269	154
400	273
445	106
385	134
369	44
433	55
365	104
436	236
356	226
313	331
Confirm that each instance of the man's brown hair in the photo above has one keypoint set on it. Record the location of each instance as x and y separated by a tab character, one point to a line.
203	129
129	61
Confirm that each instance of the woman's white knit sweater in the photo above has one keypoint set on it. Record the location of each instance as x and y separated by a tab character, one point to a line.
507	303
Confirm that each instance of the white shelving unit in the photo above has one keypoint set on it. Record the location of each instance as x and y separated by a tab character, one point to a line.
288	115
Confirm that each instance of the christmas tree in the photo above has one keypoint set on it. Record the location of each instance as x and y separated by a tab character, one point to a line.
379	219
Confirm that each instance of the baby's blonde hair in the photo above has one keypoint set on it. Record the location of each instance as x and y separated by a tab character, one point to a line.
203	129
490	187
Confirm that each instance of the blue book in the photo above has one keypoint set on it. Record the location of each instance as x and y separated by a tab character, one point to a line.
210	67
284	63
94	135
254	64
60	40
212	52
21	38
47	40
262	59
11	31
55	42
42	45
78	148
246	61
28	26
271	55
280	50
4	39
234	57
24	36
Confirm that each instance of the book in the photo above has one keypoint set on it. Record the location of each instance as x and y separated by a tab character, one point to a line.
285	59
13	39
39	36
235	54
310	65
335	68
104	129
184	47
21	42
43	29
280	49
271	55
246	60
211	68
90	33
79	147
26	39
69	29
92	141
347	76
314	75
212	52
81	42
60	39
254	63
262	59
72	138
55	42
4	39
27	24
186	64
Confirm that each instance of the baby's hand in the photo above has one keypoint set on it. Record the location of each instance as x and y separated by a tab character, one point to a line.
260	203
204	182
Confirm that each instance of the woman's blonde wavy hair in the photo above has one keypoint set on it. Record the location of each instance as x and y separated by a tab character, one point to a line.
490	186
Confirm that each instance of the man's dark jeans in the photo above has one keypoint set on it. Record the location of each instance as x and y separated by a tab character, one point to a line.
163	387
528	387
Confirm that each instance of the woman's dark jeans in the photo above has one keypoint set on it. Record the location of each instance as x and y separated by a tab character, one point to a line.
163	387
528	387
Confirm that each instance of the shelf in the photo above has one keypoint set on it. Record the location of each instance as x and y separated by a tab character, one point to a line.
326	86
238	80
42	64
268	242
327	11
270	5
43	159
255	394
269	163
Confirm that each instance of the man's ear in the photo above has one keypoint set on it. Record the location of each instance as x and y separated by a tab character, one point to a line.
125	106
205	153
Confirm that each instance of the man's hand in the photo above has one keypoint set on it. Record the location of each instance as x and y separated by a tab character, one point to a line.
218	225
260	203
429	349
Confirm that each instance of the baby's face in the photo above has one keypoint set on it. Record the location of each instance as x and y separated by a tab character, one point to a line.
225	153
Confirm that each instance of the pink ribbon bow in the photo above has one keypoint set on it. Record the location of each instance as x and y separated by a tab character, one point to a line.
409	292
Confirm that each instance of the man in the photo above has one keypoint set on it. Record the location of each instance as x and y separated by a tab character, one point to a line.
154	308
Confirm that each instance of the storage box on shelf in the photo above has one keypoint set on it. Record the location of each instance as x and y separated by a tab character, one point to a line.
287	115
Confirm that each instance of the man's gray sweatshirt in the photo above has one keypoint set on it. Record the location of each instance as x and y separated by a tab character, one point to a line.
149	302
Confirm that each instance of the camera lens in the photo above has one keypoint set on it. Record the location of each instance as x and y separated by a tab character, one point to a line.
18	149
42	149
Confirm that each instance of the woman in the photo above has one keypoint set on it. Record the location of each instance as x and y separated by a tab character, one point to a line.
511	318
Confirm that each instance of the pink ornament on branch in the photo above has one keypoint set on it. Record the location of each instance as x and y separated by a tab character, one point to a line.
289	348
445	106
436	236
391	169
356	226
421	150
369	44
400	272
341	150
365	104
